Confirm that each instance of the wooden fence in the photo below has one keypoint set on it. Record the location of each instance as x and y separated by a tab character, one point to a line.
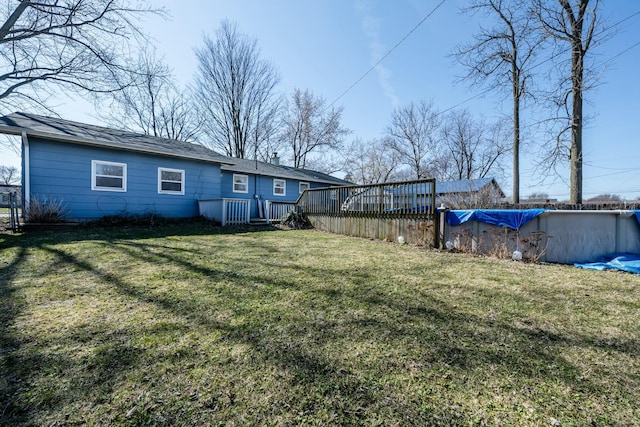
399	211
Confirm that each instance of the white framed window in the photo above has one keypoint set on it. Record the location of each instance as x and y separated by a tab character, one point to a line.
170	181
240	183
279	187
108	176
303	186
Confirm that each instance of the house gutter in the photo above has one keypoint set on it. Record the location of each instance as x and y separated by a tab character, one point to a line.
26	174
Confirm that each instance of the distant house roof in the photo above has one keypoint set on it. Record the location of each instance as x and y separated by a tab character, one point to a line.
245	166
81	133
466	186
10	187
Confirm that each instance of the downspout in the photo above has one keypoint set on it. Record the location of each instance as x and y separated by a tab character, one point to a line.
26	174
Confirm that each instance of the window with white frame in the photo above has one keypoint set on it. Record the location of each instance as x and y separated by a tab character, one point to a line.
303	186
108	176
170	181
240	183
279	187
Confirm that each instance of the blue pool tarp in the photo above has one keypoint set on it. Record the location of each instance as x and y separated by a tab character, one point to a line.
637	215
500	217
622	262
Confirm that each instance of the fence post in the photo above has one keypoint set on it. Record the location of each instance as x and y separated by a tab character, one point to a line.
13	211
224	212
442	226
267	211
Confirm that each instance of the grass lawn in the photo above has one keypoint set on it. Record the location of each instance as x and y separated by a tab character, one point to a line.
189	325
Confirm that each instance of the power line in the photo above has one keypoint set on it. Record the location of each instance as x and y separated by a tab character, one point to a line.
554	56
605	29
471	98
593	165
388	53
613	173
622	52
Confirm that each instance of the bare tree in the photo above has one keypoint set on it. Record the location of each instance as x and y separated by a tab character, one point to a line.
538	197
471	148
572	25
234	92
605	198
76	44
9	175
264	139
372	162
500	57
309	126
152	104
470	198
413	135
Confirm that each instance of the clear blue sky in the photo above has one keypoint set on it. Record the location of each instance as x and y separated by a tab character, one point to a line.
327	45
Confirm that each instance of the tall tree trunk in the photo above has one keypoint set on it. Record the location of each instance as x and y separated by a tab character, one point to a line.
576	130
516	133
577	80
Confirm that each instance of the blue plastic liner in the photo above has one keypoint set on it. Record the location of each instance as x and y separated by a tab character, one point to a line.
621	261
500	217
637	215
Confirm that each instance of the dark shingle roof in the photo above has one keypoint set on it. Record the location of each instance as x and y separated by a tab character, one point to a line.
81	133
261	168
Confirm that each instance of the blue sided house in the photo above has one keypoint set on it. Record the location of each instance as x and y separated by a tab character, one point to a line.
96	171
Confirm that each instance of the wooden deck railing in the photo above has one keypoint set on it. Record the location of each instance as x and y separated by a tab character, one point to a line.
407	199
274	211
399	211
227	211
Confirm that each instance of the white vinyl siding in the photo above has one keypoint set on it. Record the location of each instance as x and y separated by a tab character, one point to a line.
240	183
279	187
170	181
108	176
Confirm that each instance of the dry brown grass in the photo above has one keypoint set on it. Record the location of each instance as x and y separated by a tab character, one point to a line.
194	326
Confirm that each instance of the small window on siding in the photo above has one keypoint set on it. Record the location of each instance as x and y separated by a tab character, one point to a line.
170	181
279	187
108	176
303	186
240	183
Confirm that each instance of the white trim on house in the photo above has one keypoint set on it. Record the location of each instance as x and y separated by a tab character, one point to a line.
279	187
26	173
108	177
169	181
240	183
303	186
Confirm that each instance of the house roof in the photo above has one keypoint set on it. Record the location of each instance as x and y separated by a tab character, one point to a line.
466	186
85	134
245	166
82	133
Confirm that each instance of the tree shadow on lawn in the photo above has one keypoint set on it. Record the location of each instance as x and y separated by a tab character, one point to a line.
305	366
11	305
90	231
416	335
